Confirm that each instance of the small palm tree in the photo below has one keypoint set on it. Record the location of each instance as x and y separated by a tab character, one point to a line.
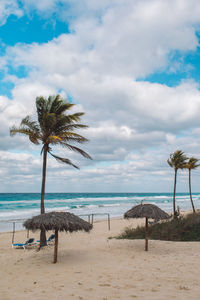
191	165
177	161
53	127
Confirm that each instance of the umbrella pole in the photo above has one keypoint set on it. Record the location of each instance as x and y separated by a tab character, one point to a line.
146	235
56	246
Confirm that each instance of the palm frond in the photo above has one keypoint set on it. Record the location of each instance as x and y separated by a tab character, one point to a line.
67	135
72	127
192	163
64	107
76	117
53	139
33	137
177	160
169	163
76	149
63	160
32	125
49	122
53	126
57	105
41	106
62	121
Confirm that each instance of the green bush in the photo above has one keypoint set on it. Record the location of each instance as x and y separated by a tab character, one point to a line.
185	228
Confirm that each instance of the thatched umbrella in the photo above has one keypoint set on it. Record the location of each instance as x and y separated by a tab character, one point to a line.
146	211
58	221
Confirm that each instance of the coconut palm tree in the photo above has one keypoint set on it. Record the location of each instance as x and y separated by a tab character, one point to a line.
53	127
177	161
191	165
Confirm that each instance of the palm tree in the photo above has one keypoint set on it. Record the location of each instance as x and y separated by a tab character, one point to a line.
177	161
53	127
191	164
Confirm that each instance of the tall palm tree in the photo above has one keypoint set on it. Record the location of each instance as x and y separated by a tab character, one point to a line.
190	165
53	127
177	161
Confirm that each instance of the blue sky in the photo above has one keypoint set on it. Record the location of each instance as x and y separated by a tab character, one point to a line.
31	28
28	29
131	66
188	69
37	28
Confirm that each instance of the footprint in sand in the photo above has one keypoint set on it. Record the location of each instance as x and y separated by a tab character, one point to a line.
185	288
116	287
104	284
129	286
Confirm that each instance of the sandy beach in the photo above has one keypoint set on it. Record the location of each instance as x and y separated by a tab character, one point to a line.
91	266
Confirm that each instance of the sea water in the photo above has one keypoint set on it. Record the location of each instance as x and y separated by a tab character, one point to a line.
25	205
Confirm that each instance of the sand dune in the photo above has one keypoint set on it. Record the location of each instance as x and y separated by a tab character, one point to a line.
91	266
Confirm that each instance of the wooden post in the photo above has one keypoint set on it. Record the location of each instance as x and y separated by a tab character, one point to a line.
108	221
56	246
146	235
92	218
13	233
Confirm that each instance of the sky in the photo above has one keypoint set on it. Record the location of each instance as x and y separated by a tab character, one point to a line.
133	67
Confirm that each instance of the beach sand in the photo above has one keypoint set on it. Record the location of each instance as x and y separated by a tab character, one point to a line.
91	266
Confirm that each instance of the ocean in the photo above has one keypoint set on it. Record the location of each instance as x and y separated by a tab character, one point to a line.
25	205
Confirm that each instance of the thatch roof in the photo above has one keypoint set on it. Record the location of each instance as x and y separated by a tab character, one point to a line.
61	221
146	211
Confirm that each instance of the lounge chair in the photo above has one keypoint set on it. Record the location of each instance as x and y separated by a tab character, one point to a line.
50	239
29	242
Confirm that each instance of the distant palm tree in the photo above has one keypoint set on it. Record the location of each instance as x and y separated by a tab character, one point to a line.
191	165
177	161
53	127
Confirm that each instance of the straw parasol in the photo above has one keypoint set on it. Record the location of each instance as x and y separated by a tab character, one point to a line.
146	211
57	221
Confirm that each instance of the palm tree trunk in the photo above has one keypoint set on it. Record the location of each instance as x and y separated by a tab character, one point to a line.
43	240
174	195
190	191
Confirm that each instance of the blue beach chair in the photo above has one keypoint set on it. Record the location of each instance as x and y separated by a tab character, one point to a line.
29	242
50	239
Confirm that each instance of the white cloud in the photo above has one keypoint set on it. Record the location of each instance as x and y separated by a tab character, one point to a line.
133	38
8	7
134	125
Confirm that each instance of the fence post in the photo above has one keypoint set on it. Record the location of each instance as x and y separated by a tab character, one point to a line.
108	221
13	233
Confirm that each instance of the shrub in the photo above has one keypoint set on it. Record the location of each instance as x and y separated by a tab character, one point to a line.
185	228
